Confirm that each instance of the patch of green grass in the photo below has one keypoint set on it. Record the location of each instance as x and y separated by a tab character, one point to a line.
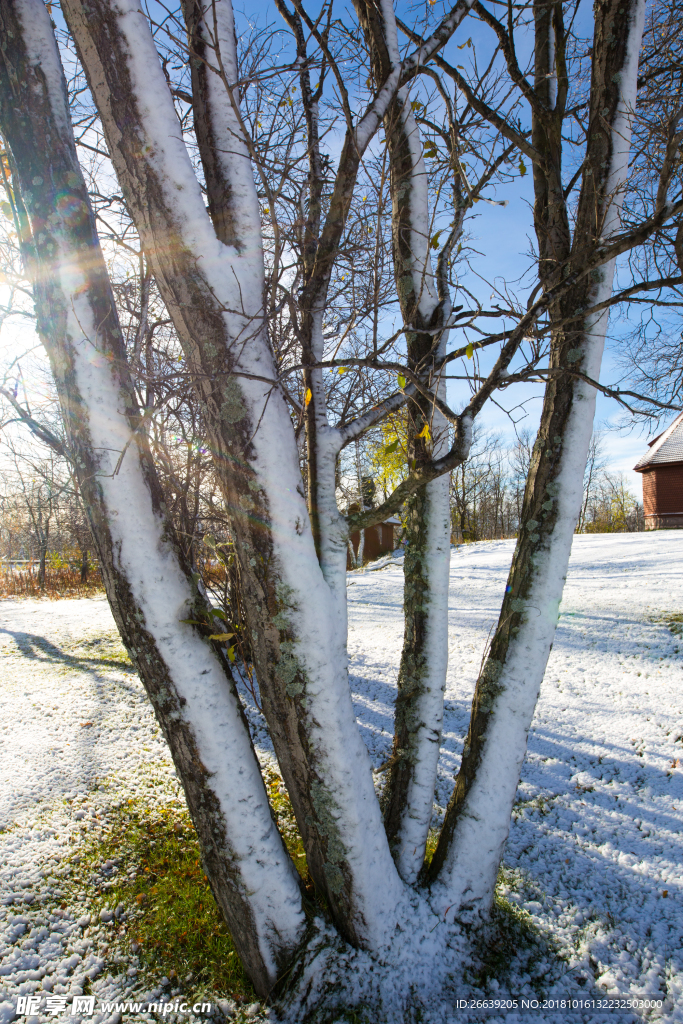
284	814
170	917
108	646
148	862
511	937
674	623
541	803
672	620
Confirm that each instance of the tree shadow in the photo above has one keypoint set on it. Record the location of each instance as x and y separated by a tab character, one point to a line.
39	648
64	769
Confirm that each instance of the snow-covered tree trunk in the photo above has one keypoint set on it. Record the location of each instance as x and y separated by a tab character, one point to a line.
411	775
149	588
214	293
321	239
210	267
323	441
466	861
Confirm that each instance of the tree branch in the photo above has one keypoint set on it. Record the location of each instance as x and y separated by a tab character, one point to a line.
40	431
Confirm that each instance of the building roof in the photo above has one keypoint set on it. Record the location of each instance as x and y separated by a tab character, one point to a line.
666	448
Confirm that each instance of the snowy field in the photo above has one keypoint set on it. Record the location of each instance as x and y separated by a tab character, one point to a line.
595	852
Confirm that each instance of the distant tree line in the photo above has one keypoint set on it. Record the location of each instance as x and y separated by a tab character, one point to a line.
42	519
488	490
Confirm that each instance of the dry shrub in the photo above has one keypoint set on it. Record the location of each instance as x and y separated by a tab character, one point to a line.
59	583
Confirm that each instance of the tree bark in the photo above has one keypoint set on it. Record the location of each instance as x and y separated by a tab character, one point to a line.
409	789
214	294
42	540
465	864
150	589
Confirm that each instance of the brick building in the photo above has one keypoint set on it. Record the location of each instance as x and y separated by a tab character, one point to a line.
662	469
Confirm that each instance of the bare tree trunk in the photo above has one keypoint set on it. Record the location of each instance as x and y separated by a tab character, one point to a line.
470	847
42	529
214	293
409	790
41	562
150	590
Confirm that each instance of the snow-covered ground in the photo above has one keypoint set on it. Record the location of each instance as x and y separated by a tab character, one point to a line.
596	847
598	826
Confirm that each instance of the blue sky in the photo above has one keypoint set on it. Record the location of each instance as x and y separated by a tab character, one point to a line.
503	236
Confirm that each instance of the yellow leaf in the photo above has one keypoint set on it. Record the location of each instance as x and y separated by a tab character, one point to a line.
391	447
231	653
470	350
425	432
401	381
309	396
221	636
342	369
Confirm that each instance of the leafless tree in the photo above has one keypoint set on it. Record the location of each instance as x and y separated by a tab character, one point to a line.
268	306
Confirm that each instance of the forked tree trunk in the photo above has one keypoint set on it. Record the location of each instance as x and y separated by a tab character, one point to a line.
211	277
149	588
213	291
470	847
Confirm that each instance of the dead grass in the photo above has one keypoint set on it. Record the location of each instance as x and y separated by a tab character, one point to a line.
59	583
